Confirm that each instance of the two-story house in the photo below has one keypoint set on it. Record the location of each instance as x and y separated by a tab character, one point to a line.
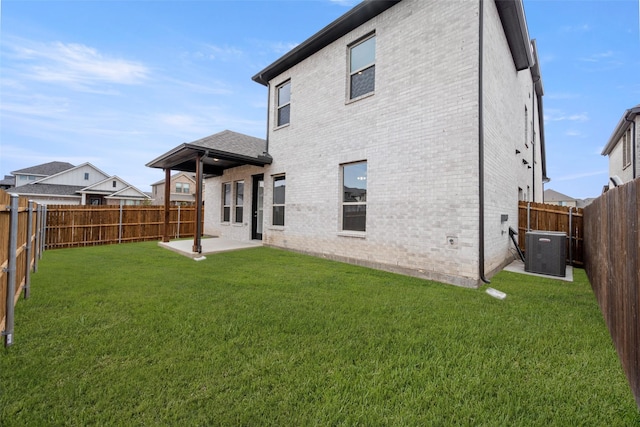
623	149
182	189
62	183
401	136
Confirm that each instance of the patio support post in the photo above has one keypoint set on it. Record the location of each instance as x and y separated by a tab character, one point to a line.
197	238
167	204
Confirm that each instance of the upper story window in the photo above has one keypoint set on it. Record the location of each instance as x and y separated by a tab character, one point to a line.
362	67
86	176
354	199
284	104
114	184
279	189
182	187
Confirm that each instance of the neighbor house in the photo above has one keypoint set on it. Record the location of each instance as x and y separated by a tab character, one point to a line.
182	189
400	137
552	197
8	182
623	149
65	184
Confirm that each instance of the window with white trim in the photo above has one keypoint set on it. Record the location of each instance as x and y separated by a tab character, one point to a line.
362	67
226	202
279	190
182	187
354	196
239	200
284	104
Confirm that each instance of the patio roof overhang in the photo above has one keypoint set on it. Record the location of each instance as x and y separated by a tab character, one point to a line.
210	156
224	150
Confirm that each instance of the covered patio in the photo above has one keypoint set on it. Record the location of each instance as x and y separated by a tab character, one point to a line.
209	156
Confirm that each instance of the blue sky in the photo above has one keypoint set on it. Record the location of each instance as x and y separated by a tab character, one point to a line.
118	83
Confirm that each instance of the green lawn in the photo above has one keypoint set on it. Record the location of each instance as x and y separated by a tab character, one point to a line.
137	335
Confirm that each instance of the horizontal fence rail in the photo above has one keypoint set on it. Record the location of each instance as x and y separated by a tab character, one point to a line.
73	226
545	217
21	230
612	253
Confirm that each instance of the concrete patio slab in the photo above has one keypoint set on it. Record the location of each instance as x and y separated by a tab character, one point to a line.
517	266
210	245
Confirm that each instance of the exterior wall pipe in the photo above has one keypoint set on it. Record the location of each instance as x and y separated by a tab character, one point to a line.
633	146
481	271
11	271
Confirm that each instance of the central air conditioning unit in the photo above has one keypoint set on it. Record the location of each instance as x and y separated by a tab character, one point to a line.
546	252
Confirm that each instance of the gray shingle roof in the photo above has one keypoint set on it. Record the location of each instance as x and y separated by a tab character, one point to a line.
45	169
49	189
233	142
8	180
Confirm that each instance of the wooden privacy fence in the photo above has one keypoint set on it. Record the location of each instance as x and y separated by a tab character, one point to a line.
21	245
544	217
612	254
70	226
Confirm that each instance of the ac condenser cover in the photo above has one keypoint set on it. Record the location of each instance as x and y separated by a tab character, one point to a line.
546	252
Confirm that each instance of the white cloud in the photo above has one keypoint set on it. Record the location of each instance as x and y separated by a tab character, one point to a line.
597	57
72	64
573	133
580	28
558	116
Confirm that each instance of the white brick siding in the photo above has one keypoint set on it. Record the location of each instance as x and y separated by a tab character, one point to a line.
419	136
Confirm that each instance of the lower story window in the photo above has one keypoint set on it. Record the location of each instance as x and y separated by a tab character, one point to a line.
239	200
354	196
226	202
279	188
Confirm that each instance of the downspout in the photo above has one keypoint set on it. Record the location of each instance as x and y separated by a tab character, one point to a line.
633	146
481	145
266	148
533	139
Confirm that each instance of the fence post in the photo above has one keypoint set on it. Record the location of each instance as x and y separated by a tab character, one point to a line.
120	226
44	230
178	227
570	235
11	270
528	216
27	271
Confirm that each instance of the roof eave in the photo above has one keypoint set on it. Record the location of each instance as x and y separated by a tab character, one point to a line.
357	16
514	24
620	129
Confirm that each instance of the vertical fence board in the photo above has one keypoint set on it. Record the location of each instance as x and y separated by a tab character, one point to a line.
612	258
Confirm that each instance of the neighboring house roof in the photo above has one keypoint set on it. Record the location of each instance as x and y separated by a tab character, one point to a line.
86	164
554	196
511	14
101	183
8	180
220	151
48	189
620	129
45	169
191	176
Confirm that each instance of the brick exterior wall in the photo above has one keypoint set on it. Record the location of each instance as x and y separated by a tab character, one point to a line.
616	156
419	136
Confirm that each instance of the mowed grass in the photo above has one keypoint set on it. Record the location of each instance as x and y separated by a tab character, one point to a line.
137	335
